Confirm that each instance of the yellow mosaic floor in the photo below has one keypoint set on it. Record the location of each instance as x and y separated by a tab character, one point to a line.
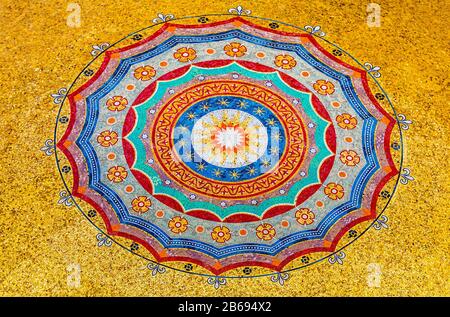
41	241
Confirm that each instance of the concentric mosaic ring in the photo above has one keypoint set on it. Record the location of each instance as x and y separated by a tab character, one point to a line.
229	144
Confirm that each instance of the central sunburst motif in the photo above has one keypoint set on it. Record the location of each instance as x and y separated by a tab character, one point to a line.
229	138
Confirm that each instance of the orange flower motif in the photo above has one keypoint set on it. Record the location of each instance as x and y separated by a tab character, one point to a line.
285	61
323	87
305	216
107	138
144	73
349	158
235	49
141	204
185	54
221	234
265	232
178	224
117	174
334	191
117	103
346	121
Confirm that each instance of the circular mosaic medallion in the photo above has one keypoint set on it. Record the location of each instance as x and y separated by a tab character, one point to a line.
229	144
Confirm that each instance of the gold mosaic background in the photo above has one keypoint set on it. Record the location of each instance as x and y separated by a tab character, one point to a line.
41	242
